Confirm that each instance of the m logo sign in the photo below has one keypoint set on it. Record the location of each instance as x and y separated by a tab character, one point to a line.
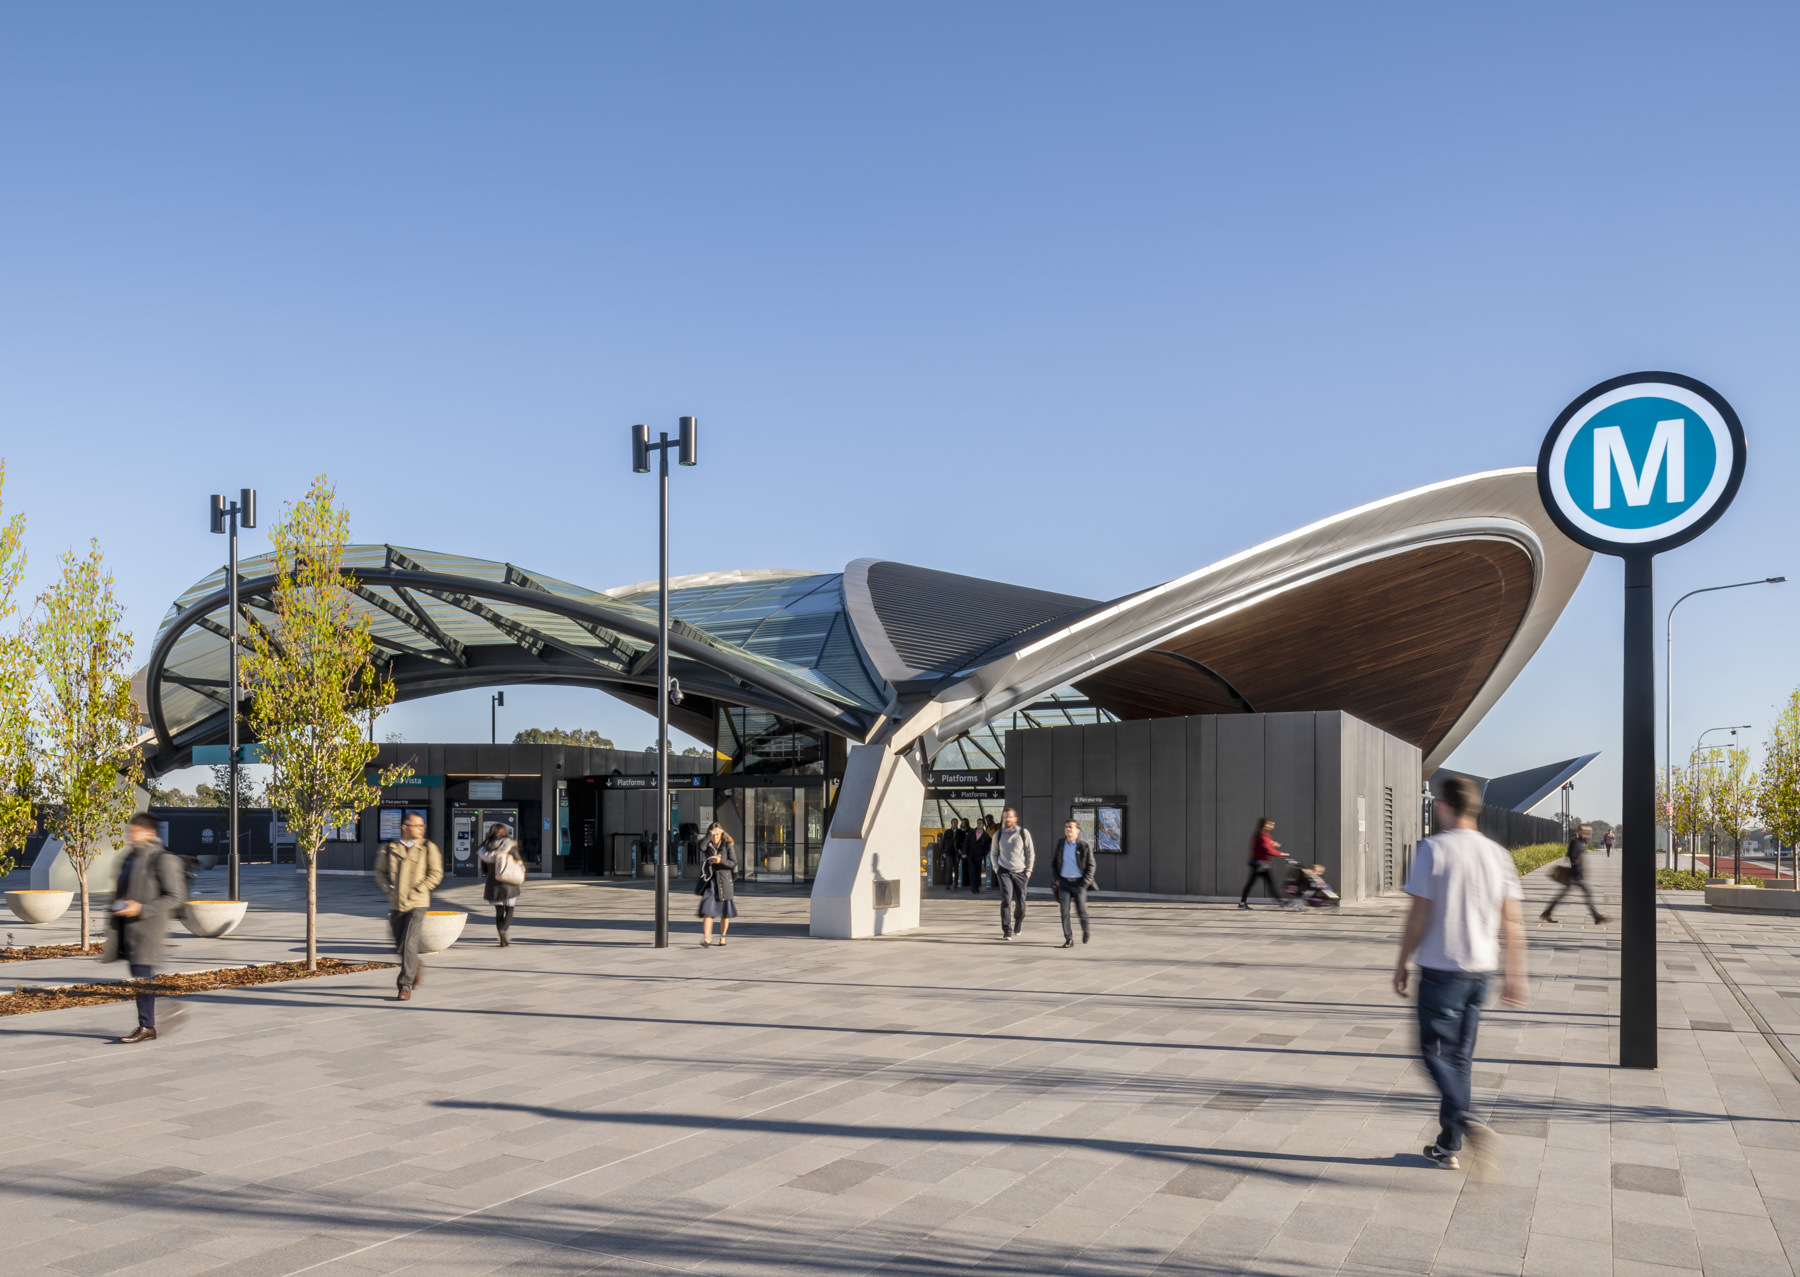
1641	463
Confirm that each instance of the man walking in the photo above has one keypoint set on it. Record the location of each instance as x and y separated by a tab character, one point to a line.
152	888
1578	850
1074	877
407	870
1465	909
1012	856
1607	842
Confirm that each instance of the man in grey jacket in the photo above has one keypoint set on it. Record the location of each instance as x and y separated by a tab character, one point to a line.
152	889
1011	856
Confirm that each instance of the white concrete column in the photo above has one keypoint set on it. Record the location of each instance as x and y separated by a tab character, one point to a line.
868	879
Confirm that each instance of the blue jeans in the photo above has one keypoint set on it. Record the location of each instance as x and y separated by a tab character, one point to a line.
1449	1015
146	1002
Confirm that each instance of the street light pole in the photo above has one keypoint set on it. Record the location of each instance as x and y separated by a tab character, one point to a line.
1692	755
641	448
228	518
498	698
1668	698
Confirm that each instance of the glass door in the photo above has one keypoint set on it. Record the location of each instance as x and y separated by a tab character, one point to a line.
773	833
809	817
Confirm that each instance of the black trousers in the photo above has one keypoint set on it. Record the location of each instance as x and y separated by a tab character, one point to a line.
1569	886
406	925
1259	871
1012	900
503	915
1072	890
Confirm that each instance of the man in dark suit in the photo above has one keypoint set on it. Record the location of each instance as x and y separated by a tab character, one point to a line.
1072	877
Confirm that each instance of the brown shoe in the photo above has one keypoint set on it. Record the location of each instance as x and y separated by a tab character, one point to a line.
141	1035
405	995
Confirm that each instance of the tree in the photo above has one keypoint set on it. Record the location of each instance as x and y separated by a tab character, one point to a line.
17	670
560	736
313	686
1731	790
1778	796
88	725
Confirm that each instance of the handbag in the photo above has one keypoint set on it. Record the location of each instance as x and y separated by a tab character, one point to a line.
1561	875
700	883
509	869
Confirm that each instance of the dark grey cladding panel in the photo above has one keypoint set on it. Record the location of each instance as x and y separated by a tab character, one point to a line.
936	621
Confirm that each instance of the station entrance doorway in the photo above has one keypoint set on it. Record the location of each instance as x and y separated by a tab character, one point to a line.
468	827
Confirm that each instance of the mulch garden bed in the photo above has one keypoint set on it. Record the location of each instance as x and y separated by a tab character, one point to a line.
27	998
29	952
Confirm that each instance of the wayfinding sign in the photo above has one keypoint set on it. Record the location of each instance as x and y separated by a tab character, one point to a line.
1635	466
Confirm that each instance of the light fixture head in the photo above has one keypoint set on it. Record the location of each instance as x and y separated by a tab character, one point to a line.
216	515
690	444
1774	580
640	448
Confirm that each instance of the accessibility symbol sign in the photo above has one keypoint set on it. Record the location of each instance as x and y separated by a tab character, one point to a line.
1641	463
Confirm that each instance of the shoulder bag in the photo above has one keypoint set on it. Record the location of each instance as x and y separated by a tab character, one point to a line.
510	869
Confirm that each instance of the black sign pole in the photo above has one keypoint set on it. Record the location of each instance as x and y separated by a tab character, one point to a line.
1637	892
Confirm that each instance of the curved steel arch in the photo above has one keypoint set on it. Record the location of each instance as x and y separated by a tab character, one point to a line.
742	680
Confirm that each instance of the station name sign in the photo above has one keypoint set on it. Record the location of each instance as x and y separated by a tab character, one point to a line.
992	777
1098	800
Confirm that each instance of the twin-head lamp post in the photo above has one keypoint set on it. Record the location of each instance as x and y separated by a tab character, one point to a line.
227	518
641	448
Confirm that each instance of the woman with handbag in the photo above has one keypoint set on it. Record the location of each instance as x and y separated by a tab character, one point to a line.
505	875
718	868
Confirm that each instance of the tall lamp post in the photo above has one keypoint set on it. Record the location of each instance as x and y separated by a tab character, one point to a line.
227	518
1695	753
1669	692
641	448
497	699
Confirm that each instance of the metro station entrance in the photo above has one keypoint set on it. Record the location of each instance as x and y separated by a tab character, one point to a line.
779	828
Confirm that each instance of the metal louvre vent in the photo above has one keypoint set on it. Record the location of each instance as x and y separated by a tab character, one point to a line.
887	893
1387	839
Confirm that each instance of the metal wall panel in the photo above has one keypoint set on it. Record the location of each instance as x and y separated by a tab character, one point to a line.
1065	761
1131	779
1203	796
1166	830
1328	795
1034	757
1039	814
1240	795
1288	749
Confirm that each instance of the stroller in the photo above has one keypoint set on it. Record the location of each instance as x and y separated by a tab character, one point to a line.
1306	887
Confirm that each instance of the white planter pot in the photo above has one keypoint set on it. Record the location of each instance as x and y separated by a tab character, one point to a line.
39	906
441	930
208	862
210	918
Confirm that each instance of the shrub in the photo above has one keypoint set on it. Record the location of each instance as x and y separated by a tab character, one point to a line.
1680	880
1536	856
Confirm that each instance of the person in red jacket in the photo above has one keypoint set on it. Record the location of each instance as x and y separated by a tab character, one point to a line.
1264	851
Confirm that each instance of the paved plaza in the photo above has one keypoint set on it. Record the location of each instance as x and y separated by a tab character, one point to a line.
1198	1091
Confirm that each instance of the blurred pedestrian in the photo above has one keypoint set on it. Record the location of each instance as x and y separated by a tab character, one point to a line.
1465	913
1264	852
1574	876
407	869
1011	855
152	889
716	887
505	875
1607	842
1072	877
984	844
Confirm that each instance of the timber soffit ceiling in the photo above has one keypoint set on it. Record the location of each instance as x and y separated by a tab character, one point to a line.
1413	613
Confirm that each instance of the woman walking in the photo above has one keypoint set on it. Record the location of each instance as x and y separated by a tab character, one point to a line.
505	870
1264	852
717	867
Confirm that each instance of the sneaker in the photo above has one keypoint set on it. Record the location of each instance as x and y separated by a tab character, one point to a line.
1085	937
1242	905
1442	1156
1006	935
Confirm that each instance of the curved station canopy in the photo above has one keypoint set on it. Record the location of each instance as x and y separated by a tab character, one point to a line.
1413	613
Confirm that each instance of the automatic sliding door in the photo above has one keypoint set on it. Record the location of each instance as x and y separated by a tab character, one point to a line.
774	833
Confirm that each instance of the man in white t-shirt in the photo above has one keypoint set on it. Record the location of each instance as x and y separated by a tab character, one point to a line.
1465	909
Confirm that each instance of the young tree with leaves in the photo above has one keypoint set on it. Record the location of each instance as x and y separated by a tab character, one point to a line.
1731	788
313	686
17	670
88	768
1778	796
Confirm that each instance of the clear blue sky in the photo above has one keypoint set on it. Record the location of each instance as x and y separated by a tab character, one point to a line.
1080	297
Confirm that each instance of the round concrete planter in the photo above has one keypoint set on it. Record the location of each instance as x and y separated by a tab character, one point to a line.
210	918
208	862
441	930
39	906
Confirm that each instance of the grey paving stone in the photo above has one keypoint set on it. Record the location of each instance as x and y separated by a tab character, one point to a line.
1647	1179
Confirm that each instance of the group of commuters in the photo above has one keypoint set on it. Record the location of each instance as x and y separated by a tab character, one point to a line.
961	852
1011	856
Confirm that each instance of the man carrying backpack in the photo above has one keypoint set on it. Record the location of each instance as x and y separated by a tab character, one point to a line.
152	889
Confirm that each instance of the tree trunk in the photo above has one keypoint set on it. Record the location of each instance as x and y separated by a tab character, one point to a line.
312	910
81	878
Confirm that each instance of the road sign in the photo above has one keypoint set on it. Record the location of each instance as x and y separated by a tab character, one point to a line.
1635	466
1641	463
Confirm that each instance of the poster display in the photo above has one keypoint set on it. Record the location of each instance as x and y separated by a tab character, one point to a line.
1111	826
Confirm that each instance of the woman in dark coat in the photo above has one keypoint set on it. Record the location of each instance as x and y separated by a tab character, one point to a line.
500	859
717	899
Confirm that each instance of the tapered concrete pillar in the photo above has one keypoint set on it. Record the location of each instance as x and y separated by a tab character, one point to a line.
868	879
